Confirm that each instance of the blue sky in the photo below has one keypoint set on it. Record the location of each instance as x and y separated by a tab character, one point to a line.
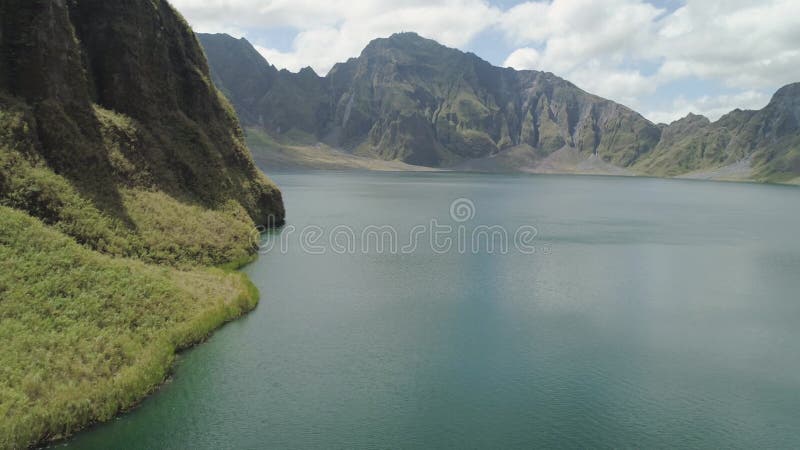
664	58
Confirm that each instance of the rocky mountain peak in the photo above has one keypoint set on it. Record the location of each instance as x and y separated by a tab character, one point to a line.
787	99
693	119
407	42
788	91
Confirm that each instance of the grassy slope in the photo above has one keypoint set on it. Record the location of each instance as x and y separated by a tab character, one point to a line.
86	335
121	183
150	225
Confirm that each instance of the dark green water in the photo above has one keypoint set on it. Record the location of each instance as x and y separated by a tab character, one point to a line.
655	313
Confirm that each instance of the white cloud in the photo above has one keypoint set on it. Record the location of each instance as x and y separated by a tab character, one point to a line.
751	46
586	42
624	86
575	32
308	50
209	15
524	58
711	107
332	31
743	44
625	50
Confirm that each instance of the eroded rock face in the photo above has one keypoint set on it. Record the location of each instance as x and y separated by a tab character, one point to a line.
409	98
118	95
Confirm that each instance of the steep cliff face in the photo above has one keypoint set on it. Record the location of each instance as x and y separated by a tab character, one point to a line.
279	101
123	175
437	106
112	102
412	99
774	135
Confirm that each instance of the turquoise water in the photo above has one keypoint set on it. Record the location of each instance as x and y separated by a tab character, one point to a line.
654	313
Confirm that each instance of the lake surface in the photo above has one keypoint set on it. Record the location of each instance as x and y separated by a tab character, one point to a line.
653	313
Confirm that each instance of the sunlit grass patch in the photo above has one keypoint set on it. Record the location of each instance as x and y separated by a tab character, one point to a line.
86	335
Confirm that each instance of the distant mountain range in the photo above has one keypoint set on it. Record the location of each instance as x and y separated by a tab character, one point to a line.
411	100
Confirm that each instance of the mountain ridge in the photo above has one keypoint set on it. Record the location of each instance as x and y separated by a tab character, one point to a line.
768	139
410	99
414	100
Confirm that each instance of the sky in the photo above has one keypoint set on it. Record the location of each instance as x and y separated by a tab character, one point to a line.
663	58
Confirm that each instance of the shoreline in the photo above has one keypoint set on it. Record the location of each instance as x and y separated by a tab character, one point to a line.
301	170
149	377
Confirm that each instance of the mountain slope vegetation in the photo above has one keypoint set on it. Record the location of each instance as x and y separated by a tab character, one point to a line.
413	100
124	176
86	335
768	141
101	104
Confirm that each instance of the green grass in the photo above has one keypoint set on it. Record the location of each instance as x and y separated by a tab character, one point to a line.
183	234
123	183
145	223
96	299
86	335
51	197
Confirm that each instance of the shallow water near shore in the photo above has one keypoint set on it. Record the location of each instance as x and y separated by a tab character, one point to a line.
653	313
